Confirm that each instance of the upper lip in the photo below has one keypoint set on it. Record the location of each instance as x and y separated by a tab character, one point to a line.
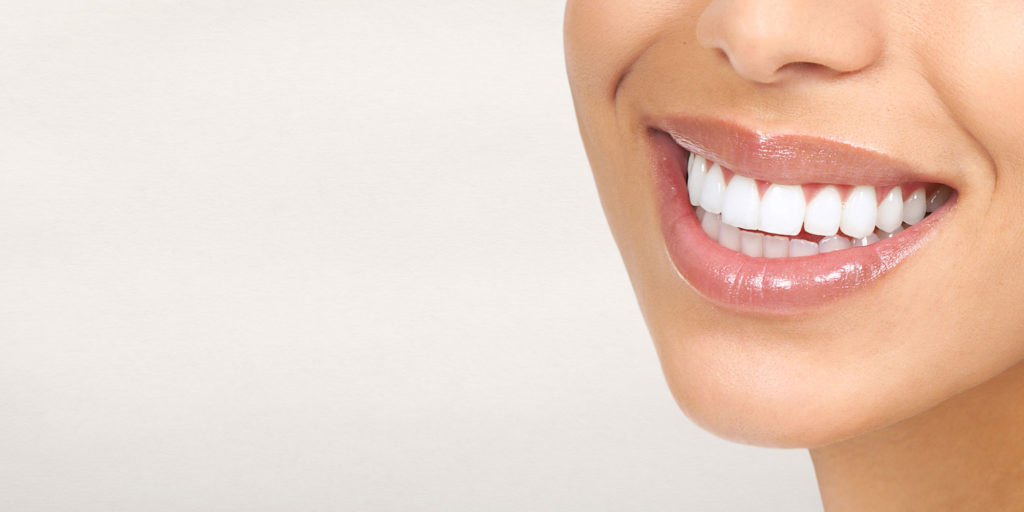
788	158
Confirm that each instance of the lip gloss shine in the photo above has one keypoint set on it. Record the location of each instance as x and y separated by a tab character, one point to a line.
762	285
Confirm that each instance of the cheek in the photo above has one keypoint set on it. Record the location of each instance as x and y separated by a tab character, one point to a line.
977	67
603	37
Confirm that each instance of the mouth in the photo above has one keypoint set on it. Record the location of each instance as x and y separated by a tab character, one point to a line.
781	224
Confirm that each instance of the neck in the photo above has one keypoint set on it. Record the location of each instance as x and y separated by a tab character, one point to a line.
965	454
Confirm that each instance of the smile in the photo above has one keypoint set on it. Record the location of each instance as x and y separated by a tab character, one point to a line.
751	223
770	220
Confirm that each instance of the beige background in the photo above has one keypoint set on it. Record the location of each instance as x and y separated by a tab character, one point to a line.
310	255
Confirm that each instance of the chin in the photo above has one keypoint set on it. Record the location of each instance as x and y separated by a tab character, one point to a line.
768	409
815	259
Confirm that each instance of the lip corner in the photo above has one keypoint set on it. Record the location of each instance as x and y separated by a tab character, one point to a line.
762	286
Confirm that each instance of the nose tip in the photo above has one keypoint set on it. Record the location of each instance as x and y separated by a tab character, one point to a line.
765	40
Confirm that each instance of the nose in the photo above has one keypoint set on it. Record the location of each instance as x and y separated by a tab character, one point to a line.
766	41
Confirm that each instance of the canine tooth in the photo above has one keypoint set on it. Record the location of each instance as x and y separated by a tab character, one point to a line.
711	223
890	210
701	212
938	198
859	212
914	207
712	194
696	169
729	236
742	202
799	247
868	240
782	210
834	243
752	244
823	212
776	246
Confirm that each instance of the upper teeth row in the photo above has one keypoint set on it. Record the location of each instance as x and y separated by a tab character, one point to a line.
784	209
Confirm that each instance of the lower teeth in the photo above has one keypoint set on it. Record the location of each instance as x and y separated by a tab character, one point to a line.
776	221
762	245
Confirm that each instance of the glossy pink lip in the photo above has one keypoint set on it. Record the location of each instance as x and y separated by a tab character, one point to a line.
788	159
773	286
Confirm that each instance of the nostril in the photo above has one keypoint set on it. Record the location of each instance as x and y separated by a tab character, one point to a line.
766	41
807	68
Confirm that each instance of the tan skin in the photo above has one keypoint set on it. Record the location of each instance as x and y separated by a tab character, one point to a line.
909	392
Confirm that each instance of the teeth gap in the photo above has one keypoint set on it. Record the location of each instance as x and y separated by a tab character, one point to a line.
775	221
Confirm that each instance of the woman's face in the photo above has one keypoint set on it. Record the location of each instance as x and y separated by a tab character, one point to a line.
802	117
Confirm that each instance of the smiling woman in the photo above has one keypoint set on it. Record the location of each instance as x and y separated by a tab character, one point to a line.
817	203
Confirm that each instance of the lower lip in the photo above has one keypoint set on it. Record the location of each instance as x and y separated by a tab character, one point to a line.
763	285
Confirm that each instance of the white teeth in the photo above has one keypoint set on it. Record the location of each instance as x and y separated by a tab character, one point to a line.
776	246
729	213
729	236
782	210
823	212
859	212
914	207
888	234
741	204
890	210
697	168
712	193
938	198
752	244
868	240
711	223
834	243
799	248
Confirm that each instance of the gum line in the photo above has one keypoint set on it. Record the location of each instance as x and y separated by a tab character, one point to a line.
774	243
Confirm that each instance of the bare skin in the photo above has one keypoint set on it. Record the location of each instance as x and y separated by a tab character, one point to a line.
908	392
964	454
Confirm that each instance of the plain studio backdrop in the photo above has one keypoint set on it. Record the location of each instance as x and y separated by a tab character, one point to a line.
323	255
